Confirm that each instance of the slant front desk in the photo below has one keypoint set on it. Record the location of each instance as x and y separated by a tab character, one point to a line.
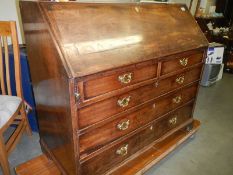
110	80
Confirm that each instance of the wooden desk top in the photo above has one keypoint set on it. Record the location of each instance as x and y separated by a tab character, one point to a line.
105	36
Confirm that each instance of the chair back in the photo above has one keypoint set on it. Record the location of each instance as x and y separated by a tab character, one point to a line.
8	34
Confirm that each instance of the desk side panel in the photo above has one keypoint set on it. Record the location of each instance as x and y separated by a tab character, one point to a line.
52	89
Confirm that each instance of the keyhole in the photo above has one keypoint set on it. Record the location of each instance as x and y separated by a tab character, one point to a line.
154	106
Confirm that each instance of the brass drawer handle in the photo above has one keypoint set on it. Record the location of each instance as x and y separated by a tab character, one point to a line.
126	78
177	99
180	80
124	102
123	126
183	62
123	150
173	120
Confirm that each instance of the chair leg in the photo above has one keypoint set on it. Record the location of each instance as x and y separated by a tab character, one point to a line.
4	157
24	116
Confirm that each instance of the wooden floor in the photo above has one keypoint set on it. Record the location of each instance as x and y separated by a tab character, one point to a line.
43	166
40	165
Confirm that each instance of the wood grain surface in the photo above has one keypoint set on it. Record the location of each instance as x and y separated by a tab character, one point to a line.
94	66
41	165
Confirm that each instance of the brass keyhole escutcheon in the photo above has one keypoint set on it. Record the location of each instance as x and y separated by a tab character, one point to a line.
156	84
151	127
154	106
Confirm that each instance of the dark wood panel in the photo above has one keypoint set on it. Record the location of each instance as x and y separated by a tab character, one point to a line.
157	152
181	62
51	89
104	134
79	82
131	75
104	109
110	157
124	149
173	120
93	72
112	35
138	165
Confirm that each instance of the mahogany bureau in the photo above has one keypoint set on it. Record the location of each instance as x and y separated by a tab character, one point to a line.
110	79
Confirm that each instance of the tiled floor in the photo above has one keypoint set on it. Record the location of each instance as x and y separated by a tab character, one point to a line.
209	153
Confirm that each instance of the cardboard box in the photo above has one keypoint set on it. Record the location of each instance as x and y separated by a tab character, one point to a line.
215	54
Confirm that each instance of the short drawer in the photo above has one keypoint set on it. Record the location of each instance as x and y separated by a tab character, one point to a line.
97	138
119	152
120	79
180	63
104	109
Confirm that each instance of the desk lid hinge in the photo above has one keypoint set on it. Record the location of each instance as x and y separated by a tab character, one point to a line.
77	96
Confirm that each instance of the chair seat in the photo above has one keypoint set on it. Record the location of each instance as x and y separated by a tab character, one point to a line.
8	106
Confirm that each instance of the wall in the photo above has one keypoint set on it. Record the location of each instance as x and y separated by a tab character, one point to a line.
187	2
9	10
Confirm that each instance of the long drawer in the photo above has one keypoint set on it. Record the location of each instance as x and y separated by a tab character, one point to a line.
104	134
99	111
119	152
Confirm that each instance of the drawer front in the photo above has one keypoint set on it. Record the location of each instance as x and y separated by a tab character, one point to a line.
116	154
175	119
99	111
95	139
111	157
181	63
119	80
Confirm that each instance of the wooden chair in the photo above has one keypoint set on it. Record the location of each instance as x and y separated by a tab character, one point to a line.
12	108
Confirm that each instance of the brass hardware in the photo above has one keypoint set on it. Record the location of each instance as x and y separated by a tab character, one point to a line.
177	99
124	102
180	80
77	96
123	150
156	84
183	62
173	120
189	128
151	127
126	78
154	106
123	126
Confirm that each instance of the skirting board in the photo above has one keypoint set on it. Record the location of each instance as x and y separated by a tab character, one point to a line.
41	165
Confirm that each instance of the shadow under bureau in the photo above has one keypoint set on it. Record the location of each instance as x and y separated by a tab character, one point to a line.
110	80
